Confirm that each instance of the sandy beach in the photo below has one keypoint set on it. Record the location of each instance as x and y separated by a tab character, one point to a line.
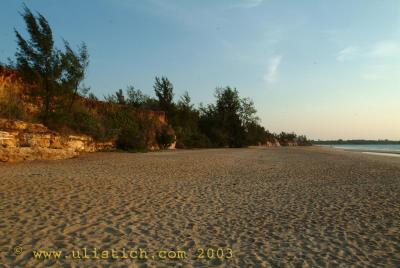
275	207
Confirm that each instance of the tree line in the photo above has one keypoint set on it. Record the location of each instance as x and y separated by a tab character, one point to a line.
57	75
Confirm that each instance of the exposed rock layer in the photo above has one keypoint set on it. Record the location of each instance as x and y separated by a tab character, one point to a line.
26	141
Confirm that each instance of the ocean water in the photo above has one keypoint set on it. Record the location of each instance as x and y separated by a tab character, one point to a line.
369	147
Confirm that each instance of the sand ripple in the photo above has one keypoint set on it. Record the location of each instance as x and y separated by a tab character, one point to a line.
284	207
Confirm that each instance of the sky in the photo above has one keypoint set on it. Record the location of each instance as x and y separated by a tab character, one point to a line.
326	69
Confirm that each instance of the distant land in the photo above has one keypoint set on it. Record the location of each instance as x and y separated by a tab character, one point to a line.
361	142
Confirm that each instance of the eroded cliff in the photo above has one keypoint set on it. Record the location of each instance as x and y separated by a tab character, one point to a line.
26	141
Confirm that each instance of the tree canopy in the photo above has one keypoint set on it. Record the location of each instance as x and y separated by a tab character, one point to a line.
56	74
163	89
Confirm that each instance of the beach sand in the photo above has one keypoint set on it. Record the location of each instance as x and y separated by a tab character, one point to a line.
273	207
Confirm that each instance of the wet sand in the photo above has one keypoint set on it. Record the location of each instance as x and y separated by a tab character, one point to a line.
278	207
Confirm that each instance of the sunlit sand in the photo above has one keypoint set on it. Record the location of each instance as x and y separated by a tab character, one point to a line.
271	207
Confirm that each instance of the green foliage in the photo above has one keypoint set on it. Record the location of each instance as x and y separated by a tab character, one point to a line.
120	97
165	137
209	125
74	65
78	121
85	123
255	134
136	97
55	73
117	98
57	77
270	136
151	104
132	130
11	105
163	89
247	113
92	97
12	109
229	116
230	122
116	118
131	137
185	120
188	138
303	141
184	102
284	138
223	122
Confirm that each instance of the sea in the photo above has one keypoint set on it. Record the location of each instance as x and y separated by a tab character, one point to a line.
393	148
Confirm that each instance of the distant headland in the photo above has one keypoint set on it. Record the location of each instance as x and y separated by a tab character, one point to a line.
354	142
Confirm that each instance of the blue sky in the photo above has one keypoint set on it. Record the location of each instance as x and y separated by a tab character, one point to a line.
327	69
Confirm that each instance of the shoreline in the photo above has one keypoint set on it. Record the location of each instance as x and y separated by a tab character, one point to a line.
392	153
383	154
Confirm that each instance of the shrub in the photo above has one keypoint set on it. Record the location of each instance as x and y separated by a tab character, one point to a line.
11	105
12	110
191	139
131	138
86	123
131	135
165	137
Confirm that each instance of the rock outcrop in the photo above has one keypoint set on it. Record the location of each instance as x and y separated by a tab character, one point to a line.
26	141
20	140
10	79
272	143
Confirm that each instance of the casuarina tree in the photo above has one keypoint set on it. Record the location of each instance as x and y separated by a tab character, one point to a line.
55	74
164	92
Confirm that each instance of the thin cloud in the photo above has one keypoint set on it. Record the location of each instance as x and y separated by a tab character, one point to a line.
347	53
374	72
371	76
385	49
382	49
248	3
374	58
272	72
